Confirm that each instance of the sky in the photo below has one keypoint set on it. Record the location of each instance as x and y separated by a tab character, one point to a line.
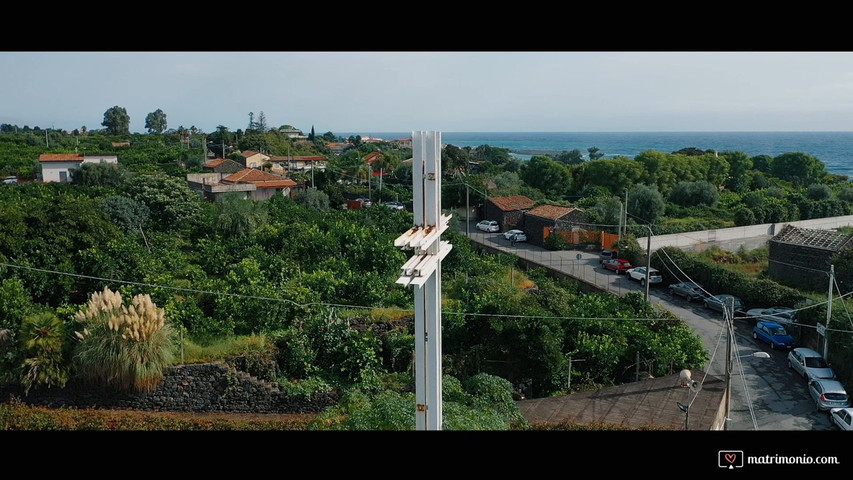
375	91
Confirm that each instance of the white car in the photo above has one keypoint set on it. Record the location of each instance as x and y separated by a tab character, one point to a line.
843	417
518	234
639	274
395	205
489	226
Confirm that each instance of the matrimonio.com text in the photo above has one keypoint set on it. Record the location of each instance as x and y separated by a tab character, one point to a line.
731	459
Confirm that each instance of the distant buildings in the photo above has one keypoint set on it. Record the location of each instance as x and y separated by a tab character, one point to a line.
55	167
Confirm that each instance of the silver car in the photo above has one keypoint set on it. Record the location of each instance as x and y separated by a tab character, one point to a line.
689	290
843	417
783	315
809	364
828	394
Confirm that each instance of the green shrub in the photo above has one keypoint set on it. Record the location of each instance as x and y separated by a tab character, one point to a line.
43	346
124	347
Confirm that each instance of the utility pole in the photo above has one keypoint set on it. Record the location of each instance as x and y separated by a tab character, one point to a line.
380	182
727	319
828	313
423	271
625	213
467	210
619	232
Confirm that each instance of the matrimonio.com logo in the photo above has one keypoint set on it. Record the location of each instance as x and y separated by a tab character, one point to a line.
730	459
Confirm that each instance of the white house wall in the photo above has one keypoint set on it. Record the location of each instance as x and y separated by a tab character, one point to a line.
50	172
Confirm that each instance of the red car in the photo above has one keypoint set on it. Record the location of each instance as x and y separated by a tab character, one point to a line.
618	265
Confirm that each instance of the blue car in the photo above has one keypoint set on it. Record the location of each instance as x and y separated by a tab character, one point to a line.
772	333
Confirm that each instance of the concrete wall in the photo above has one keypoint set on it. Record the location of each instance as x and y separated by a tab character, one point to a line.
693	239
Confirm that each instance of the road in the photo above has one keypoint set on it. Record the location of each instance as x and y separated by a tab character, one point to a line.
779	398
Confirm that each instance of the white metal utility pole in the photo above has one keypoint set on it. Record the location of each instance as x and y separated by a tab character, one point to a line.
423	271
828	313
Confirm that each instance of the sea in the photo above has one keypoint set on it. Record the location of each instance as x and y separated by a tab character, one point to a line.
834	149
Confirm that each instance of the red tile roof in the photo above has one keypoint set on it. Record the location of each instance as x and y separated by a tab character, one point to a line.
260	178
214	163
248	153
60	157
371	157
553	212
120	144
513	202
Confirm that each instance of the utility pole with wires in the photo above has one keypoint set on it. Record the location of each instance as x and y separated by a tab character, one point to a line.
828	313
423	271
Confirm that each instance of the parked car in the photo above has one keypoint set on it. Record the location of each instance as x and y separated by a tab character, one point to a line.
809	364
639	274
489	226
618	265
828	394
395	205
842	417
717	302
607	255
772	333
689	290
10	180
783	315
518	234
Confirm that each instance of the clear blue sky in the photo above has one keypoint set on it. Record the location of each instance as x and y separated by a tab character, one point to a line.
369	92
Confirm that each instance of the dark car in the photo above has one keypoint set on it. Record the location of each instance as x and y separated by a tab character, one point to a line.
772	333
689	290
607	255
717	302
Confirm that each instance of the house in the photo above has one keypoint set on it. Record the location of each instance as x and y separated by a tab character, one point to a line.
403	142
292	133
55	167
651	403
251	183
372	157
223	165
507	211
548	217
298	162
800	257
337	147
120	144
253	159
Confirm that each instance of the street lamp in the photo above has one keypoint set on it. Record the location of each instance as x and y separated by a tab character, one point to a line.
686	409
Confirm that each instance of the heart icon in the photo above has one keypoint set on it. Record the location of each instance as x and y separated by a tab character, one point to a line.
730	457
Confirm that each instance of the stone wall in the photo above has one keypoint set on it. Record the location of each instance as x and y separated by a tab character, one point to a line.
206	387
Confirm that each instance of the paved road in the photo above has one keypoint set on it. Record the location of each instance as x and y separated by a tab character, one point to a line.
779	399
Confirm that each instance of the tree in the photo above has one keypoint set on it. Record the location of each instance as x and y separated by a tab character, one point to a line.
155	121
252	124
117	121
311	135
261	124
550	177
240	217
594	153
688	194
330	137
314	199
169	199
797	167
646	204
128	214
740	171
43	340
573	157
99	175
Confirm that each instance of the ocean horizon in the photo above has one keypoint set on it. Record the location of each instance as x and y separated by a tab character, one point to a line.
834	149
